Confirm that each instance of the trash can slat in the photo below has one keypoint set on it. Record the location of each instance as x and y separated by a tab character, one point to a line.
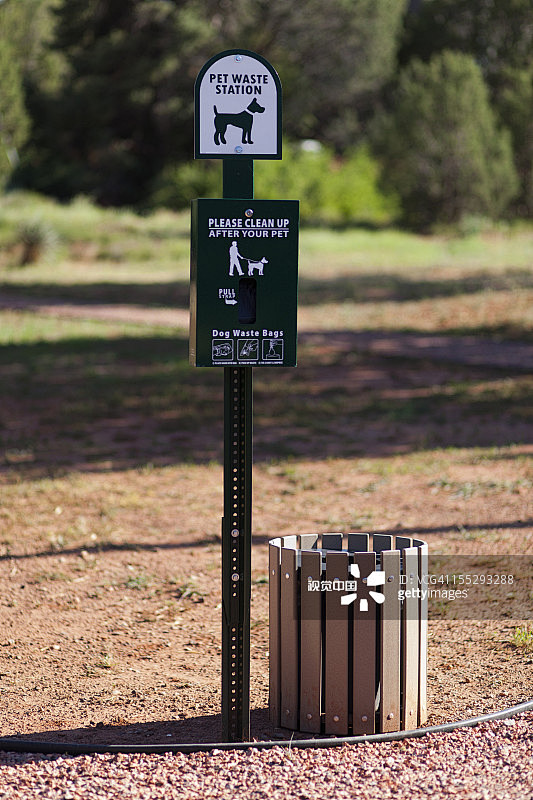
358	542
423	634
381	542
289	638
364	650
403	542
410	640
336	649
274	550
332	541
308	541
310	644
289	542
389	709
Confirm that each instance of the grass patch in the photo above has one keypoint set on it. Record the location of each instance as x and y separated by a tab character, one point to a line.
468	489
138	582
187	590
522	638
19	328
393	250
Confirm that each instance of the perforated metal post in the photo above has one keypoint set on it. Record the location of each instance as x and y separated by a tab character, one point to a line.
237	521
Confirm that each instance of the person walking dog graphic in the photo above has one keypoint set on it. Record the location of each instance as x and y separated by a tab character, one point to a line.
234	256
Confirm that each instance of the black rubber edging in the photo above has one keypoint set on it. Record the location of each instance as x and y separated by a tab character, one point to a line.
61	748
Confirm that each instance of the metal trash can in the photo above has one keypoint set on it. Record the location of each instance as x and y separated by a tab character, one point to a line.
348	633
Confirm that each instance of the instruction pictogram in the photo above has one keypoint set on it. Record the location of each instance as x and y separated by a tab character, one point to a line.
273	349
248	349
222	350
235	262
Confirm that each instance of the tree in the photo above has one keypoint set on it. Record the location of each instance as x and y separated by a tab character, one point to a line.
27	25
515	104
499	36
14	123
497	33
442	150
333	56
123	112
124	105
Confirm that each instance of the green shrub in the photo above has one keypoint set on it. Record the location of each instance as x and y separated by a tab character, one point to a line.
442	150
178	184
37	239
331	190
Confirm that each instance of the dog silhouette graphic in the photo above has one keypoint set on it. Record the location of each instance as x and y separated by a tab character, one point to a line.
258	265
244	120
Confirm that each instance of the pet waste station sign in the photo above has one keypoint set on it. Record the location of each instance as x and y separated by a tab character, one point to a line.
244	264
238	107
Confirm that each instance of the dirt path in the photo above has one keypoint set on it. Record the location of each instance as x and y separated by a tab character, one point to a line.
471	350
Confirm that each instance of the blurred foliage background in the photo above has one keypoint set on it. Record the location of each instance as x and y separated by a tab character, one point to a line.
417	113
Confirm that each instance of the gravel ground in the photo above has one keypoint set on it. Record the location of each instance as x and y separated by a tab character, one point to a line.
492	760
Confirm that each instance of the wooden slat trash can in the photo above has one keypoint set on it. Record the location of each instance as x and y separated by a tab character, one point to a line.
348	633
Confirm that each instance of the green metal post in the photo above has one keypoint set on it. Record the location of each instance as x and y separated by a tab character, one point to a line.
237	521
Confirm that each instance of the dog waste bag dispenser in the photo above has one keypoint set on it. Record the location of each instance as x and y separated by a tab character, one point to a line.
244	278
